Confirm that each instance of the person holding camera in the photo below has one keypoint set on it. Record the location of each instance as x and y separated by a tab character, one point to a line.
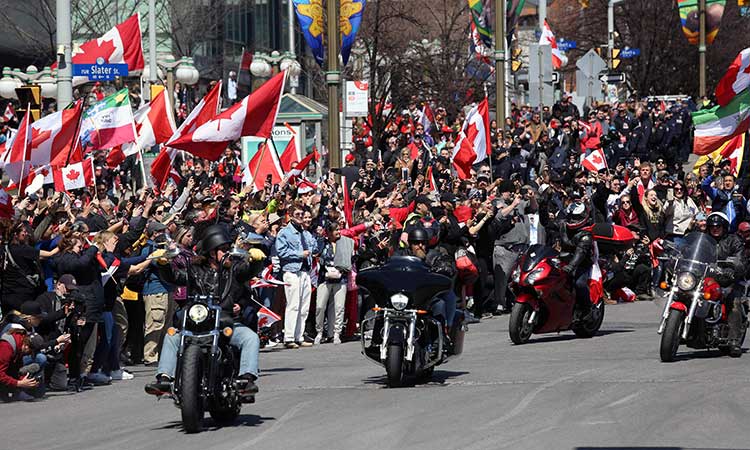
721	188
17	381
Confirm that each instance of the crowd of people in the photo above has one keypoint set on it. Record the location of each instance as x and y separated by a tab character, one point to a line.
84	293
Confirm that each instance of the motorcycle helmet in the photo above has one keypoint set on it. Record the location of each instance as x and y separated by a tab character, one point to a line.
577	215
214	237
418	235
718	219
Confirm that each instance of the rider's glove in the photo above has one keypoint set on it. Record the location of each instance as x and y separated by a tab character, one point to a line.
569	269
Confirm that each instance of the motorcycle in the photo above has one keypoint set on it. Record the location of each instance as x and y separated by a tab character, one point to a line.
545	298
400	330
207	365
694	313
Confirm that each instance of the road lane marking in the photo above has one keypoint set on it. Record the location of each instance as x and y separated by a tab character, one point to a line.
281	421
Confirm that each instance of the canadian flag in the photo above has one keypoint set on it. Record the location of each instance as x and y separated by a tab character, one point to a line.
255	115
208	107
266	317
302	165
595	161
75	176
18	164
431	181
426	118
9	113
736	80
267	279
52	136
548	38
473	144
596	285
120	45
154	124
291	153
264	163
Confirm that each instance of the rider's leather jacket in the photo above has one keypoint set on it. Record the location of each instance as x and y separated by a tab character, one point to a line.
731	247
580	245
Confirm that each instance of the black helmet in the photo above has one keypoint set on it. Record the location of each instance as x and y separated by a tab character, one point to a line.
214	237
717	219
418	234
577	215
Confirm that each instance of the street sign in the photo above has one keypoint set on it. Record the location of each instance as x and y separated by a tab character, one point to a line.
588	86
613	78
357	98
591	64
565	46
541	91
628	53
555	77
99	71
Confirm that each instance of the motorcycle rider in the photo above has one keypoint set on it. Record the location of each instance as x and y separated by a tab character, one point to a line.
729	247
580	243
204	280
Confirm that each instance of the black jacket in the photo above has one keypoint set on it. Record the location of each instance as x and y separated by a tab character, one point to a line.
580	246
731	246
87	272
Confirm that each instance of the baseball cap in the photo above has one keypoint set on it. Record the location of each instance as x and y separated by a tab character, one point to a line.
744	227
31	308
448	197
154	227
69	281
349	158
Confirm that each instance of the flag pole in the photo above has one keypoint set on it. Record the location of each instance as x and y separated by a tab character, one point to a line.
143	167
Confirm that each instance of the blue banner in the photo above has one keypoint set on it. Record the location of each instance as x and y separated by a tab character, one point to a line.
351	18
310	17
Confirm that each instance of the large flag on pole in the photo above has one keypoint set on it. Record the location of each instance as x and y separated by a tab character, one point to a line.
513	11
719	124
481	20
108	122
18	164
255	115
548	38
736	80
312	25
473	144
53	135
733	150
350	18
154	124
265	163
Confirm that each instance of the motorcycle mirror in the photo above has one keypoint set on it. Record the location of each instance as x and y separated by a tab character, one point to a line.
237	252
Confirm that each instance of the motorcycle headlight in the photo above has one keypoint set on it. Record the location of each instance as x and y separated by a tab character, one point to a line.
399	301
686	281
516	275
533	276
198	313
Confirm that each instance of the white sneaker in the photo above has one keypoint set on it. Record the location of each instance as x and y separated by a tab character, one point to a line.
98	378
318	338
121	374
336	339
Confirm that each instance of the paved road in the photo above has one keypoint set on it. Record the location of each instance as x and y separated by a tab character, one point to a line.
556	392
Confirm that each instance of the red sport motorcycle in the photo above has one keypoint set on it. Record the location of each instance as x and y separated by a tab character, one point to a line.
545	298
695	313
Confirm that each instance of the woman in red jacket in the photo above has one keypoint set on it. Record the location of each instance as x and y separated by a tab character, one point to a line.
17	382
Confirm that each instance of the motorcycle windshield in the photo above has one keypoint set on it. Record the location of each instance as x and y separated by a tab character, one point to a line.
403	274
698	251
534	255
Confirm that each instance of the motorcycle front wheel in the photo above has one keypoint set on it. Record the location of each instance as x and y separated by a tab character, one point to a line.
519	328
394	365
590	327
191	380
670	338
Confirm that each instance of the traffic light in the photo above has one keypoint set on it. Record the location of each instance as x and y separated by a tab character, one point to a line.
29	96
615	62
515	60
584	3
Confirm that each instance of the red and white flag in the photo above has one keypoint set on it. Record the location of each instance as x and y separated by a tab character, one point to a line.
266	317
596	284
75	176
6	204
426	118
154	124
595	161
9	113
348	205
18	164
264	163
120	45
52	136
548	38
736	80
302	165
473	144
431	181
267	279
290	155
255	115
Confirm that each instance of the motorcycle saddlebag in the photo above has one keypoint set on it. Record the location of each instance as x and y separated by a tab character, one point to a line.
611	238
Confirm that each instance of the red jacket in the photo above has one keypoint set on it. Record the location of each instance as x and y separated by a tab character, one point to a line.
10	361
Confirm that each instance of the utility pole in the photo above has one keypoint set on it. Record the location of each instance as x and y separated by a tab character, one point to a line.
500	55
542	14
152	70
64	64
702	48
611	31
292	46
333	80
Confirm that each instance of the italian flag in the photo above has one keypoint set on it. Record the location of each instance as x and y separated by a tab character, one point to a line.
719	124
108	122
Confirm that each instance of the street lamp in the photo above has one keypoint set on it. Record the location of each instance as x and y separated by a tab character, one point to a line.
15	78
8	84
182	70
263	66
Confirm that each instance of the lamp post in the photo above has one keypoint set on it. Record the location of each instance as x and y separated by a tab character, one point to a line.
15	78
265	65
182	70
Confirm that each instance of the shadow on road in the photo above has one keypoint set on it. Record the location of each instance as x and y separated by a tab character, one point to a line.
702	354
643	448
569	336
438	377
283	369
244	420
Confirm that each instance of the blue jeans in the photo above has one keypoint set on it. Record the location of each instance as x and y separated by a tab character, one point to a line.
39	358
243	338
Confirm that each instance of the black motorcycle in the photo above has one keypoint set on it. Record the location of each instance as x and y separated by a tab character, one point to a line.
207	366
401	330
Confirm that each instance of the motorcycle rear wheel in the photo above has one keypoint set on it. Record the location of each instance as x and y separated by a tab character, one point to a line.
520	329
670	338
190	391
589	328
394	365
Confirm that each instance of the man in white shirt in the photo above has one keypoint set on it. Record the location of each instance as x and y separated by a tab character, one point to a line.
232	87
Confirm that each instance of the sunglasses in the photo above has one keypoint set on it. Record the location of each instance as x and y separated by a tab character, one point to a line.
626	202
